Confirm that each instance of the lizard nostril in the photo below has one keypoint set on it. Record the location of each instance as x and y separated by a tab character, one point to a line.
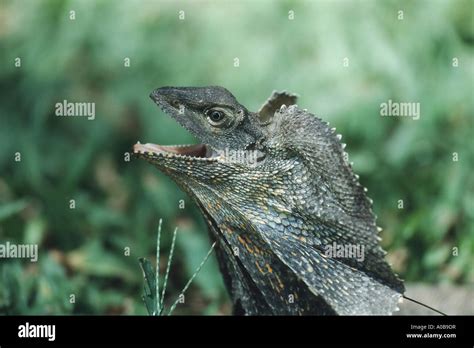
175	103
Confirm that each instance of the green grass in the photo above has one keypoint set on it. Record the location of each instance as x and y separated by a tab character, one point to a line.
117	203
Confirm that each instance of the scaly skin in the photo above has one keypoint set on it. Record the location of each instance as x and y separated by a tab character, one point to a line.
274	214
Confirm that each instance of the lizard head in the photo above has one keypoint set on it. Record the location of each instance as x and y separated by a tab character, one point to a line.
214	116
210	113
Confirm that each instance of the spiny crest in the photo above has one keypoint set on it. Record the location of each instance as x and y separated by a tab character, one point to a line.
295	130
274	103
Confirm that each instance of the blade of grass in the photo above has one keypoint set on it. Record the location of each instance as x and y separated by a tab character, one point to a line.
158	307
149	297
170	258
198	269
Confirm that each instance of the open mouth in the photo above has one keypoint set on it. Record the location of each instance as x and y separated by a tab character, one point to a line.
197	151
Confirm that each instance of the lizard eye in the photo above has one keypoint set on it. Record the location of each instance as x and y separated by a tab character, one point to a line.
215	117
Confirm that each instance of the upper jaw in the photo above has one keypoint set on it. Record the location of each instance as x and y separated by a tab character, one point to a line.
161	94
165	99
168	99
171	98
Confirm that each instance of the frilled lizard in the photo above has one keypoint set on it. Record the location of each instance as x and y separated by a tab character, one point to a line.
278	194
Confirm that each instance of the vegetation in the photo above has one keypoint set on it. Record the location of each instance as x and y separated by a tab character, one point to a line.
66	184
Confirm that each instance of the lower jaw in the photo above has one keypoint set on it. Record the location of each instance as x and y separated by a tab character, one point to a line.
197	150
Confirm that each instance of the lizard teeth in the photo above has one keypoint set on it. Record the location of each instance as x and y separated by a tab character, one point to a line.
338	136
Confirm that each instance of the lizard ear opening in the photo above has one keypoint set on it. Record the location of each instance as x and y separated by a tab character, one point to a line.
273	104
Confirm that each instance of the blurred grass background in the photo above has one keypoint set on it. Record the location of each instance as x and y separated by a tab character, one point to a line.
119	203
